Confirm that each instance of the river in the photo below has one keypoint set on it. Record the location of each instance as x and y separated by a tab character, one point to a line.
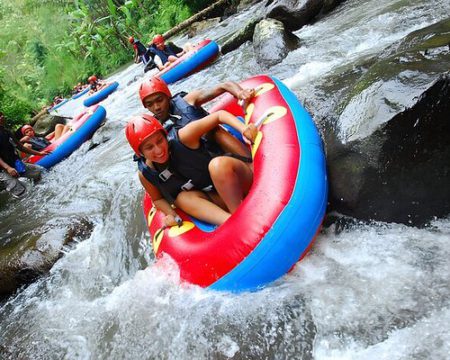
378	291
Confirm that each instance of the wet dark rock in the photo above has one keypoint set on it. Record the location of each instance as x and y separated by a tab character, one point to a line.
33	255
272	42
201	26
395	81
401	172
296	13
243	4
240	37
46	124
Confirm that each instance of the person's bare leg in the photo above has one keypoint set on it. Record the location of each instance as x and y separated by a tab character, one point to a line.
58	131
197	204
232	179
65	129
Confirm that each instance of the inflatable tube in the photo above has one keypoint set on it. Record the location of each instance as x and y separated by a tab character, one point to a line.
278	220
204	53
101	94
83	127
58	105
82	92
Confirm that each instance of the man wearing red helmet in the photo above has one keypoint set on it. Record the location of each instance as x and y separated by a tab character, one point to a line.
166	53
174	112
180	171
11	167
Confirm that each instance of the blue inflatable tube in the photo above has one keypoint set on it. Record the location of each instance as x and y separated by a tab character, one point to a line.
83	133
101	95
59	105
81	93
191	63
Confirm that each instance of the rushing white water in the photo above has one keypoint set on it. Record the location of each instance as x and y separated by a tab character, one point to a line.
376	291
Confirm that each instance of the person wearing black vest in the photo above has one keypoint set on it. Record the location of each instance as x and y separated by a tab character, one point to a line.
174	112
141	53
180	171
164	54
11	167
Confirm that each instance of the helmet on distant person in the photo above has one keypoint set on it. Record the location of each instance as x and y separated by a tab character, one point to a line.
131	39
139	128
158	39
92	78
153	86
25	128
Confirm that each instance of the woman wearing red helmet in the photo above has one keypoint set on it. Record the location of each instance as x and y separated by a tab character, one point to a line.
180	171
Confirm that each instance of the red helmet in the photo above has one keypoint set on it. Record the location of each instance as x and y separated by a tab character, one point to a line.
92	78
25	128
158	39
153	86
139	128
131	39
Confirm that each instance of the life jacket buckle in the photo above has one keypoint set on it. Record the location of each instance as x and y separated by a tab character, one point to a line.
165	175
168	125
187	186
207	188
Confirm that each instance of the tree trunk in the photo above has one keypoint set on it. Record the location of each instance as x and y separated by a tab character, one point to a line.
199	16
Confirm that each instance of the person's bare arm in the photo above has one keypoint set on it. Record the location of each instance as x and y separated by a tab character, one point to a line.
190	134
159	201
9	169
199	97
30	151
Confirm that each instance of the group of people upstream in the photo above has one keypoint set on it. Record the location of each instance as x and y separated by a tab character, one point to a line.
28	142
158	53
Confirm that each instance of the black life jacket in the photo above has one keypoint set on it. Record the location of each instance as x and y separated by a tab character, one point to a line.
38	143
187	169
141	49
180	107
164	54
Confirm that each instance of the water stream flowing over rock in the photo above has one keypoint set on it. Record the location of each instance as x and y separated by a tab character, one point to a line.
373	75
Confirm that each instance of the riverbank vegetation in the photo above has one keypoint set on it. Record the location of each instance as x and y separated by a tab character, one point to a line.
47	46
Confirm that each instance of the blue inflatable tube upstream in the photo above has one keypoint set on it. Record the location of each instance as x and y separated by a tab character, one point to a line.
100	95
182	69
81	93
305	210
59	105
83	133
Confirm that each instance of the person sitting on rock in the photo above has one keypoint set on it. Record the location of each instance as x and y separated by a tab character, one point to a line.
96	84
38	143
174	112
11	167
180	170
166	53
